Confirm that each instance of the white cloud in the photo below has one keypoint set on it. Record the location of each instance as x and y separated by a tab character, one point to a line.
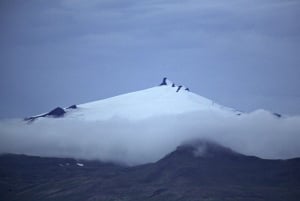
123	141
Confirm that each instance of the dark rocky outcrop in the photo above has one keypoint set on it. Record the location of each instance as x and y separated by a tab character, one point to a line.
72	107
55	113
164	82
277	115
168	82
178	89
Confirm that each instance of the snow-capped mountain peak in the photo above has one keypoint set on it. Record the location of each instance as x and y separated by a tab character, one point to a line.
165	99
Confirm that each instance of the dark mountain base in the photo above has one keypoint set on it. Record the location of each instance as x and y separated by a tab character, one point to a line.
216	174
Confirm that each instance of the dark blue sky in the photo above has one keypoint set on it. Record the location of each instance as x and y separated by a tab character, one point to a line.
242	54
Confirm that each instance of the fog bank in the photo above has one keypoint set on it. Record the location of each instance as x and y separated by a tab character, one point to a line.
136	142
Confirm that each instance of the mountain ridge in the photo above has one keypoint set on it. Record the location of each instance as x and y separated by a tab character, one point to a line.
180	175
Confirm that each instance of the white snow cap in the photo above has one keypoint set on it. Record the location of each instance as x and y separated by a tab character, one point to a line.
165	99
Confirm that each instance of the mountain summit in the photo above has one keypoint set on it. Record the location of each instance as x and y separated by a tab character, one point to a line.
167	82
165	99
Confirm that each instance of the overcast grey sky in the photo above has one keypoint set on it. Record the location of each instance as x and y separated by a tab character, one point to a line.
243	54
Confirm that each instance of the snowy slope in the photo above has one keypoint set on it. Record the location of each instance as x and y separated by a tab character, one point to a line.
156	101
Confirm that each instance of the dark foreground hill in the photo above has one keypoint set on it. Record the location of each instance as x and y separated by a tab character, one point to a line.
202	171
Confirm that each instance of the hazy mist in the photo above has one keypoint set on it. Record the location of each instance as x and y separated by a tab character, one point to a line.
136	142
